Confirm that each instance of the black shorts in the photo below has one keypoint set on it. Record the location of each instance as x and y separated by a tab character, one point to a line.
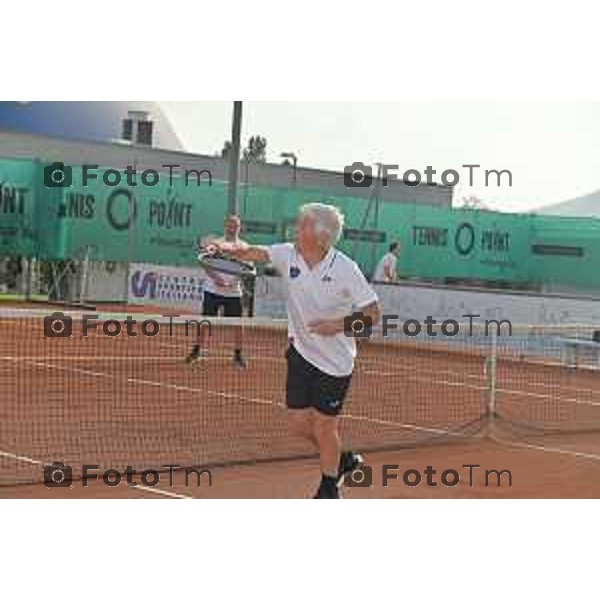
211	303
309	387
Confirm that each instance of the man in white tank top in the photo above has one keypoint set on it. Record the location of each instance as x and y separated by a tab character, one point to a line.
222	292
386	268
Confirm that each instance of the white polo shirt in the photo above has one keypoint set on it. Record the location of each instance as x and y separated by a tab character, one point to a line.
333	289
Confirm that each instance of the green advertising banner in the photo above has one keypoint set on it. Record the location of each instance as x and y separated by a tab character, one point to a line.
139	223
111	220
565	250
18	226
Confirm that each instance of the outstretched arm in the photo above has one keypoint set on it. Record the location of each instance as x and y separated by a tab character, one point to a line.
243	251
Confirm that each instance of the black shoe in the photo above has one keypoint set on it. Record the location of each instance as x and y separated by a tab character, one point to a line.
328	490
194	355
349	462
239	360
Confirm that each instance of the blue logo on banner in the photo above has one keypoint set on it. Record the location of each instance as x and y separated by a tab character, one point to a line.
144	286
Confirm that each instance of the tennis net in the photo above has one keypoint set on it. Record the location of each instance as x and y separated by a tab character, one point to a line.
131	400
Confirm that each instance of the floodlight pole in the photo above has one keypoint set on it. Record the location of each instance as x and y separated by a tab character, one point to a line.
234	158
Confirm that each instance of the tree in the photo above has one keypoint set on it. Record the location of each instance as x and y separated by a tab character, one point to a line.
226	151
256	150
473	203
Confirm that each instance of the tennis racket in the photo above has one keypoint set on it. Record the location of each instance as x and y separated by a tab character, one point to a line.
210	258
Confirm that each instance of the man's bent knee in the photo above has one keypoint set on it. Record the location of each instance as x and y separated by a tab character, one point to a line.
300	422
325	426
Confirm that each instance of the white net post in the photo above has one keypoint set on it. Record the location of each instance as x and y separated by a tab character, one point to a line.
492	363
84	275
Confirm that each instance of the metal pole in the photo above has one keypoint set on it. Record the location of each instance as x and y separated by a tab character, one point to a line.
234	158
84	275
492	375
374	244
295	159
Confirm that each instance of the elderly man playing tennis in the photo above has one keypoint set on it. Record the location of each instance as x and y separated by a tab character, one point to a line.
323	286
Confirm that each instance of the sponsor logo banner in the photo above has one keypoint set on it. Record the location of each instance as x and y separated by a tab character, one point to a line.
159	285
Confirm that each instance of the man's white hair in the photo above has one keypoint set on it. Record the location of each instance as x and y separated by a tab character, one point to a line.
329	220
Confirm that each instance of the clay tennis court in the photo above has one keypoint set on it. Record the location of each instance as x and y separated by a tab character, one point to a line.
119	401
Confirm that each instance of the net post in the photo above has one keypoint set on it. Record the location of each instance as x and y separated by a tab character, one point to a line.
28	278
492	376
84	275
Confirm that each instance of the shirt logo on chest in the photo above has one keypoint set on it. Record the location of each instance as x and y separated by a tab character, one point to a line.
294	272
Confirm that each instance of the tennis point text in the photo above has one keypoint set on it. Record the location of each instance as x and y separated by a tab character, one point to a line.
60	475
59	325
363	476
361	326
59	175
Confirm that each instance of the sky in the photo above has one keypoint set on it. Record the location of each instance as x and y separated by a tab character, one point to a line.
551	148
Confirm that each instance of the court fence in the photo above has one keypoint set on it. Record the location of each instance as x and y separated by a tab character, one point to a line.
160	224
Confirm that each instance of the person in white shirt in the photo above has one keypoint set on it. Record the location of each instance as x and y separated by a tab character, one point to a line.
222	292
324	288
386	268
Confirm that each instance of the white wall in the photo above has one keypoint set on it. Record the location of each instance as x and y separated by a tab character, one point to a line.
419	302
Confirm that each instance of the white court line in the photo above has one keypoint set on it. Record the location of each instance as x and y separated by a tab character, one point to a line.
445	382
218	394
346	416
104	357
546	396
360	361
160	492
423	378
378	373
21	458
262	401
221	395
33	461
477	377
94	358
550	449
